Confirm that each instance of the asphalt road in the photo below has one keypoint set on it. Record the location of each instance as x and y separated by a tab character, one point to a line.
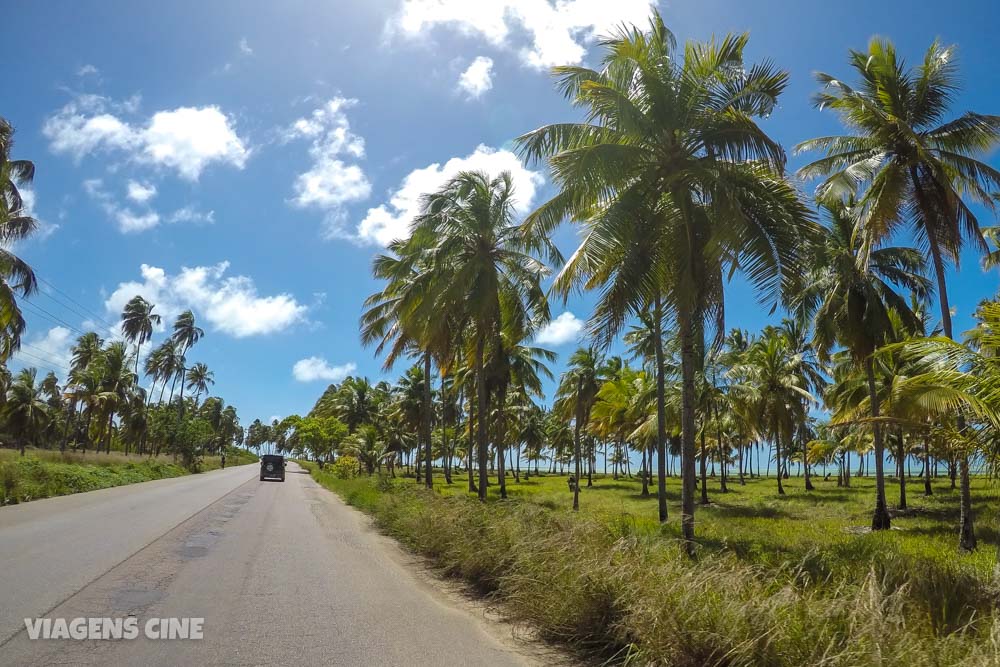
282	573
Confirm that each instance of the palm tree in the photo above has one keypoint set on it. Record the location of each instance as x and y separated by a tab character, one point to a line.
199	377
675	183
394	320
138	320
26	409
478	270
186	333
117	381
578	389
772	372
914	167
16	277
852	302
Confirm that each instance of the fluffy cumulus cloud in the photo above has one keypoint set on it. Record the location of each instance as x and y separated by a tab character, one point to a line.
186	139
477	78
564	329
544	32
311	369
391	221
333	178
50	351
140	193
229	304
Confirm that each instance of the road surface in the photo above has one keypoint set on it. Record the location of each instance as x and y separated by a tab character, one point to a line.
281	573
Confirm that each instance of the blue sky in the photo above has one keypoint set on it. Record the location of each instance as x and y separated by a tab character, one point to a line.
248	159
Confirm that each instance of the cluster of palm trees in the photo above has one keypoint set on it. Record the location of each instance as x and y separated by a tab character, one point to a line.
102	405
676	187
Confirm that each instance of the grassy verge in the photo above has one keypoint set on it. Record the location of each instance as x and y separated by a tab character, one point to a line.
44	474
794	585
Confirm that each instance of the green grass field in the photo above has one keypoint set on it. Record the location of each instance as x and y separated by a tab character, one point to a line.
793	580
756	524
44	474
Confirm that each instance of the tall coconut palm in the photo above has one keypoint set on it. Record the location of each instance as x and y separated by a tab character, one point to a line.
480	271
576	395
676	184
852	298
395	321
185	334
199	378
16	277
117	381
138	320
771	371
916	168
26	409
86	349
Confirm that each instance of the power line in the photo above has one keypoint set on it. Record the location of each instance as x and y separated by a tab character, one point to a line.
46	362
33	308
74	301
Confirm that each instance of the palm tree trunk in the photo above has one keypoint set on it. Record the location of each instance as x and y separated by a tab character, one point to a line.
927	467
501	433
967	537
645	475
880	519
704	468
426	423
472	445
722	457
777	454
578	424
687	334
483	411
444	427
661	425
902	476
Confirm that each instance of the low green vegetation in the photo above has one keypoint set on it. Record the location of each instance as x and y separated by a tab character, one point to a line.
798	579
41	474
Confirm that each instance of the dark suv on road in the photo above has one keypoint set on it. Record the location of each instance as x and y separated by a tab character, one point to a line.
272	466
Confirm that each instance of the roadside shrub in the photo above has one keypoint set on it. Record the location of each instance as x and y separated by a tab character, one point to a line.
346	467
9	482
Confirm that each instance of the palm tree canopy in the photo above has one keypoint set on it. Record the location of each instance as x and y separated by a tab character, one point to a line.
16	223
675	182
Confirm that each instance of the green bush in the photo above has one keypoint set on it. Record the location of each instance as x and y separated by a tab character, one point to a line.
346	467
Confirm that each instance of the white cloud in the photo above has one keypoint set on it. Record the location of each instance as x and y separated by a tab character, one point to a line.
28	202
88	70
230	304
140	192
245	47
478	77
331	181
564	329
391	221
186	139
191	214
130	220
546	32
311	369
127	219
50	351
